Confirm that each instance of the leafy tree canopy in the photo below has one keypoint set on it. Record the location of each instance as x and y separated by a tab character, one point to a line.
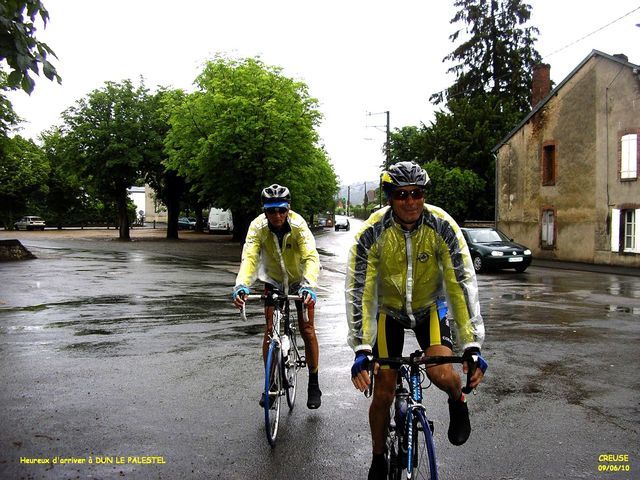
453	189
8	116
18	44
23	176
113	139
246	127
496	54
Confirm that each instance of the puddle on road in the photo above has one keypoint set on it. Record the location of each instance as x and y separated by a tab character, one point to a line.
623	309
88	331
101	347
324	252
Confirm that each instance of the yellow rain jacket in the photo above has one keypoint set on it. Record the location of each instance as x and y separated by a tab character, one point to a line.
295	263
403	273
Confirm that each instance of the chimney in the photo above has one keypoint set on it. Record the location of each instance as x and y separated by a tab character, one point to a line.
541	83
622	57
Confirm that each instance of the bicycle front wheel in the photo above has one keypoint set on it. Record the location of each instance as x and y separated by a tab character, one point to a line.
421	456
272	390
395	455
292	365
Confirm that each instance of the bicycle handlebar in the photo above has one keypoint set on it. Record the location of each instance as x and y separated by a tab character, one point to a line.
243	313
418	358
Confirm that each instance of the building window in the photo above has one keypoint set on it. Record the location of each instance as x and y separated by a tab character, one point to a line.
548	233
625	234
629	230
549	164
629	156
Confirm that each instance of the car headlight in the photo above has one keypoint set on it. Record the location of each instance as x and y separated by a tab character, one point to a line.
495	253
527	252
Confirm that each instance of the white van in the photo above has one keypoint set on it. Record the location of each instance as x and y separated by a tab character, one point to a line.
220	221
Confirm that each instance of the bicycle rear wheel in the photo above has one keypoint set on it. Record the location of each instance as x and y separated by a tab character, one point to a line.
421	461
272	391
291	367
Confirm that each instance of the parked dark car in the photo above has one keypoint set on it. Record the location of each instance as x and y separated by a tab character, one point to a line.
185	223
490	248
342	223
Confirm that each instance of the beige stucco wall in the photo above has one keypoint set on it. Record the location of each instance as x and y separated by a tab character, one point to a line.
575	121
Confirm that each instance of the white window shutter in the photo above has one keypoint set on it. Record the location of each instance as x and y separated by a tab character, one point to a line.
615	230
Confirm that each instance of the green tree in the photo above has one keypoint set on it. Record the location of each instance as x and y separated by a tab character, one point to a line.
453	189
18	44
496	54
23	178
112	140
8	116
407	144
248	126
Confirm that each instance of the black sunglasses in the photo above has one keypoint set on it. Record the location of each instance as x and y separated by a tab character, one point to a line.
273	210
416	194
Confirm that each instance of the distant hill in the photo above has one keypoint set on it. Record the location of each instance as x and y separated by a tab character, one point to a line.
356	193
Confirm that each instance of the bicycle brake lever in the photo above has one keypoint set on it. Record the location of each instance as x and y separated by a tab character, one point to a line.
471	370
369	391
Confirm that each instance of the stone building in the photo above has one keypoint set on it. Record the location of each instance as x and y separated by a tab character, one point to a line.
567	176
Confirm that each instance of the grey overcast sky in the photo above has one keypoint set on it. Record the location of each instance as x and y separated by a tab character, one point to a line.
356	56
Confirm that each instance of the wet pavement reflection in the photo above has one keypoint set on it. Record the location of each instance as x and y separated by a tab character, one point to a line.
112	348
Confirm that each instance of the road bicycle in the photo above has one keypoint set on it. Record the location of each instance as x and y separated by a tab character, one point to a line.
283	359
409	444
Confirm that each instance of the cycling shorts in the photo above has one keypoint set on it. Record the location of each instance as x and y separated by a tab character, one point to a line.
434	329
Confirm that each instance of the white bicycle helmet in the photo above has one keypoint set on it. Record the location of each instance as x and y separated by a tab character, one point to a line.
276	196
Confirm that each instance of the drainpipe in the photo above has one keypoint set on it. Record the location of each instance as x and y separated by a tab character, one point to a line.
495	190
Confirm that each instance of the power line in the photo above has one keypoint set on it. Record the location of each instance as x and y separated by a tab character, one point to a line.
592	33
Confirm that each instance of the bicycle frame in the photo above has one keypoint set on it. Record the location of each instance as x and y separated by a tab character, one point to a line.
410	372
412	376
281	367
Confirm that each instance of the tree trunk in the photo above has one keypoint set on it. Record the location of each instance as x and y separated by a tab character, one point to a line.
123	217
241	223
174	192
199	217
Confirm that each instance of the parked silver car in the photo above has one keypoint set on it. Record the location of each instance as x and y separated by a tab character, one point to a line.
30	222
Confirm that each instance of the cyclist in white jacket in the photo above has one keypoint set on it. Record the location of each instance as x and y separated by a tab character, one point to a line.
407	262
280	250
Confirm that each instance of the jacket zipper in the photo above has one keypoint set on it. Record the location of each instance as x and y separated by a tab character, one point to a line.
409	282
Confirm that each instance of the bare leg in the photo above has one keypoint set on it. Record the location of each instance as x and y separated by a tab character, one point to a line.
444	376
383	393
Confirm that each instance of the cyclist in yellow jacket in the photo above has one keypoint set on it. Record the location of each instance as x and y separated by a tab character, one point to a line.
280	251
407	263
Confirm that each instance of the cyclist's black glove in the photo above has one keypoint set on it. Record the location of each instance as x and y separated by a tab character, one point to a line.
472	355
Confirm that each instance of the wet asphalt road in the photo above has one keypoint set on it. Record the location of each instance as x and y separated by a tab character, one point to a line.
131	353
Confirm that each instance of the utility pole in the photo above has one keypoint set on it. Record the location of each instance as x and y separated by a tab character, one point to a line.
348	199
387	147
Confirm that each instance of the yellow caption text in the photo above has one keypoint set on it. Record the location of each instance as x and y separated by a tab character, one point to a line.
95	460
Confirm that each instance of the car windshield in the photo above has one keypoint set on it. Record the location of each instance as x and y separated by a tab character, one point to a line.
485	235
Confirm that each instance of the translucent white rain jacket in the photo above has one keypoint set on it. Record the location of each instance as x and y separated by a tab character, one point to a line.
296	263
403	273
